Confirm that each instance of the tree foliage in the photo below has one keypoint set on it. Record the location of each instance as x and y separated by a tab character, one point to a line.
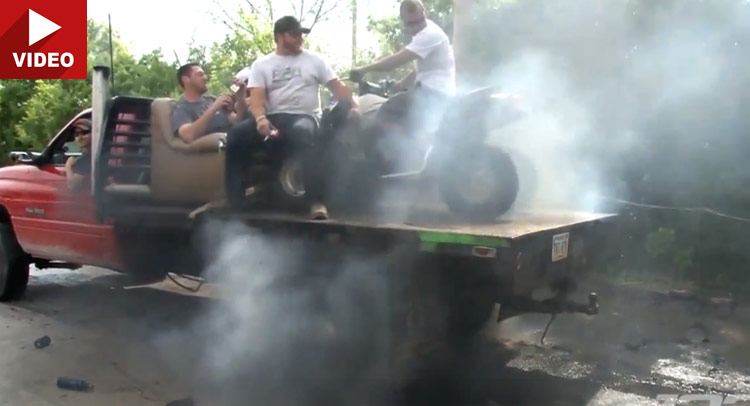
309	12
32	111
239	49
41	107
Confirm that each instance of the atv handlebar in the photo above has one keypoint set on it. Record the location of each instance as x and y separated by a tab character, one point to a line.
383	88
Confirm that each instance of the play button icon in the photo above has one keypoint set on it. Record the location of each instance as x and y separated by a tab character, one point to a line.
39	27
43	39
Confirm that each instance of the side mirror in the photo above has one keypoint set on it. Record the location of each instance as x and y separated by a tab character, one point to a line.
21	157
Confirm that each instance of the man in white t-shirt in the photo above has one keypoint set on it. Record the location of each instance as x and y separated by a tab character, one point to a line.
284	100
433	82
429	46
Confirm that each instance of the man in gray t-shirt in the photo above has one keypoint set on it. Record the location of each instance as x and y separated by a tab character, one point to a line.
197	114
284	98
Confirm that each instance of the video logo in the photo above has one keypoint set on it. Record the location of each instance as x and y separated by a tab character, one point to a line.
43	39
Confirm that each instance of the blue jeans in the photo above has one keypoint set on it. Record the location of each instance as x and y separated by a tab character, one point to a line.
297	132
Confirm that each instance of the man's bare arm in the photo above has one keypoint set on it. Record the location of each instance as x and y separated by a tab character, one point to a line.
390	63
74	180
240	111
342	92
258	108
258	102
241	105
193	131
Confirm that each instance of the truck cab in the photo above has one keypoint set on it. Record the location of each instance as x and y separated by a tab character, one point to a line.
139	167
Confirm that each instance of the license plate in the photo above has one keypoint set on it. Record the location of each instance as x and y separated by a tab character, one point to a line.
560	246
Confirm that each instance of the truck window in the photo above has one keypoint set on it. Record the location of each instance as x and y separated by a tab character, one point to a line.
72	148
65	146
63	151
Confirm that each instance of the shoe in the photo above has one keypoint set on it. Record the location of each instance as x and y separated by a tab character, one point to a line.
318	212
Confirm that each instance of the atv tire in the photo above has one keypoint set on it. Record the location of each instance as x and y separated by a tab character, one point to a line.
496	173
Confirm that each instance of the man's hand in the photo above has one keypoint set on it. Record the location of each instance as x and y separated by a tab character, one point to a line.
241	102
353	113
241	88
69	163
264	127
223	102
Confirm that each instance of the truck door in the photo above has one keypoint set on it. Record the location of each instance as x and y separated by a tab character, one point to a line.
53	222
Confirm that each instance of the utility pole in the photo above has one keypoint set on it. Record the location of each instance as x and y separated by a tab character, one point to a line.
354	32
111	53
461	29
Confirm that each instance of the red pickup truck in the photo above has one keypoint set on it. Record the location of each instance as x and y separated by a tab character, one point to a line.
157	178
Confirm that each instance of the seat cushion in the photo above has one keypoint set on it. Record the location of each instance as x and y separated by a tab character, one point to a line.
190	173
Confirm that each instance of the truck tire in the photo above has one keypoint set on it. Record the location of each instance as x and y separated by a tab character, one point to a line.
14	266
469	296
468	314
450	298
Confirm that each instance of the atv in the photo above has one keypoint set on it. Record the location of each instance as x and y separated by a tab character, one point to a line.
477	182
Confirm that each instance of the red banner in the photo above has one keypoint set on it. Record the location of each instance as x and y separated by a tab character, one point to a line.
43	39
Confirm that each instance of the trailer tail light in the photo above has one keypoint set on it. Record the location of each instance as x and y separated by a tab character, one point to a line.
484	252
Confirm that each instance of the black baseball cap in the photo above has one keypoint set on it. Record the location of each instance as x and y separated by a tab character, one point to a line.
290	25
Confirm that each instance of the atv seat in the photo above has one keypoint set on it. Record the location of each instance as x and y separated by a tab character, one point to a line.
183	173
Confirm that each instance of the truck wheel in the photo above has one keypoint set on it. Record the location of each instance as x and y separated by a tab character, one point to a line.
469	297
14	266
450	298
469	312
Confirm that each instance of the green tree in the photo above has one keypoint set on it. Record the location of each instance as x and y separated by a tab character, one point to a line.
37	109
240	48
442	12
13	96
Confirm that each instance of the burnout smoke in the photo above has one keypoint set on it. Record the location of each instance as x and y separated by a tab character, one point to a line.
631	99
294	326
548	141
617	92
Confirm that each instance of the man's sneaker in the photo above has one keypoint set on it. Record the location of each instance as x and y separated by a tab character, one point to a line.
318	212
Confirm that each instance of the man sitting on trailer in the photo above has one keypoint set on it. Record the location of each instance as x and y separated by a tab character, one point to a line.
284	102
197	114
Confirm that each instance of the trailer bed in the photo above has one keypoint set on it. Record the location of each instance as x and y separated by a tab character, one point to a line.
423	224
426	222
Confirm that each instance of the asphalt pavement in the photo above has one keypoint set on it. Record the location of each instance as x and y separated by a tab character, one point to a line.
144	343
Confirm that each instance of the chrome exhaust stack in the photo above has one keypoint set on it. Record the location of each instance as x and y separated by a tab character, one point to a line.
99	97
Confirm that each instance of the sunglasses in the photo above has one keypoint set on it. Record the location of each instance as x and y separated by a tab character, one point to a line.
79	133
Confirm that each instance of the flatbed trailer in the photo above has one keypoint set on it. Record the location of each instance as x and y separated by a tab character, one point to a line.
525	252
521	255
470	267
146	185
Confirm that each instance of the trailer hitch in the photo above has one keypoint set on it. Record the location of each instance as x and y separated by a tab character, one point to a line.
554	306
520	305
